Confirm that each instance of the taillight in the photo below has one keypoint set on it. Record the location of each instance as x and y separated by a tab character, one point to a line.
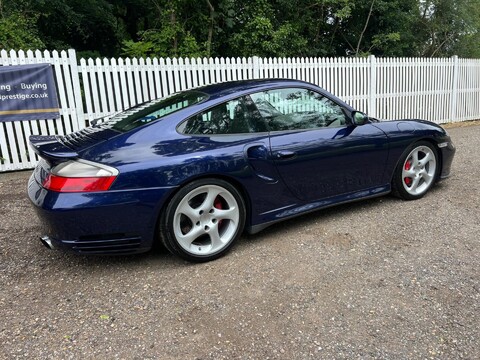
80	176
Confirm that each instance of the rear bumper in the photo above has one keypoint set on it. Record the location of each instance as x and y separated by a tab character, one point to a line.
112	222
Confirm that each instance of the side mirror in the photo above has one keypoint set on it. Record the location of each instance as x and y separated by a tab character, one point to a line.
360	118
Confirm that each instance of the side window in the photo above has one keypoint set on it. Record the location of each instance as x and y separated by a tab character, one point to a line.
296	109
233	117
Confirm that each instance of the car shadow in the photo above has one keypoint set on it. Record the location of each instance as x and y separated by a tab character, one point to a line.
335	212
312	218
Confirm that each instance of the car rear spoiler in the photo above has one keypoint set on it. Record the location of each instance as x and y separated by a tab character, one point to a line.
50	148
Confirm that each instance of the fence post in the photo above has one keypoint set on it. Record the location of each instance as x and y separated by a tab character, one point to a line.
372	88
454	93
256	67
77	92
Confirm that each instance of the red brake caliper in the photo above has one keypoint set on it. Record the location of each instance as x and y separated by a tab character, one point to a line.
217	204
408	166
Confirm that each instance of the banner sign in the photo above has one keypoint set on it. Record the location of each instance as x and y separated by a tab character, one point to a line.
28	92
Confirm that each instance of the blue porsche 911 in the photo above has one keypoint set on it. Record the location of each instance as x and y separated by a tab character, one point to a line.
196	169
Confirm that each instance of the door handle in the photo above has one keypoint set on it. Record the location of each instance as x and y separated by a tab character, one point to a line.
285	154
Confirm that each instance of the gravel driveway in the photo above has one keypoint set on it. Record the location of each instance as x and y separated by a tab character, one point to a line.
383	278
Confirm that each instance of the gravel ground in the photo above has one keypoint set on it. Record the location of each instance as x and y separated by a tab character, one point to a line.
383	279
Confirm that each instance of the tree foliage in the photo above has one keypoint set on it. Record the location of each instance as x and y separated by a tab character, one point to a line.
18	28
281	28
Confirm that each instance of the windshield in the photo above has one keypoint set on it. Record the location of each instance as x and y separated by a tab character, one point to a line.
153	110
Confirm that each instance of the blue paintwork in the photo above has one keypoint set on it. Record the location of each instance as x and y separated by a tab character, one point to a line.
280	174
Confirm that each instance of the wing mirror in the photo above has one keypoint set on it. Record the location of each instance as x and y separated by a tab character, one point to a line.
360	118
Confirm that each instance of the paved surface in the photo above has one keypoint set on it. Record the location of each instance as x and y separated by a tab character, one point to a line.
383	279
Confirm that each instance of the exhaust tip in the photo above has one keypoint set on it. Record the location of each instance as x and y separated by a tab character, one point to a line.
47	242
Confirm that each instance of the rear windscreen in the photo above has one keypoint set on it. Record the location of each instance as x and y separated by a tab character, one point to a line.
147	112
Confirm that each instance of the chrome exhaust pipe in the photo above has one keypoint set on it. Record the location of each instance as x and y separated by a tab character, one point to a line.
47	242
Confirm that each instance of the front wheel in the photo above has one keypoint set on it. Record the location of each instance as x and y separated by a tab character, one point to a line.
416	171
203	220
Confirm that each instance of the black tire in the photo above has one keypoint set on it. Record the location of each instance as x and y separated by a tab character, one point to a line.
203	220
416	171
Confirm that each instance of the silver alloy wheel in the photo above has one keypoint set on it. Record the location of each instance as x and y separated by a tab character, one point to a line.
418	171
206	220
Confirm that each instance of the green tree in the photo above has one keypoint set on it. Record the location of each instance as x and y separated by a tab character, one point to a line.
450	27
179	30
17	28
281	28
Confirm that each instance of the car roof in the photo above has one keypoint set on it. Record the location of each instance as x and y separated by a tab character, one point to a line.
236	88
227	88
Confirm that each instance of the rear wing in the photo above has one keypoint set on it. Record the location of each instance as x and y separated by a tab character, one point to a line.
50	148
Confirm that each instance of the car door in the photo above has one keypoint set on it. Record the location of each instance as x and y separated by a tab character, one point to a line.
316	150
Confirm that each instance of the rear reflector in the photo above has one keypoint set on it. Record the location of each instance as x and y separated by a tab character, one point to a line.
80	176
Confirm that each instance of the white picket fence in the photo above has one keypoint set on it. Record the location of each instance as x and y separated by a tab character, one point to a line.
441	90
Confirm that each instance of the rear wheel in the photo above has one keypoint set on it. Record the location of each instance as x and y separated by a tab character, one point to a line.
203	220
416	171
